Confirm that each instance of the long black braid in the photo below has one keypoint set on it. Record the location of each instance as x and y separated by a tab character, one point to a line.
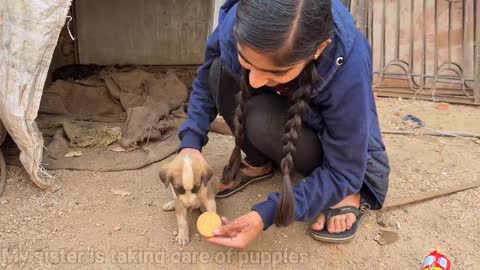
230	172
299	101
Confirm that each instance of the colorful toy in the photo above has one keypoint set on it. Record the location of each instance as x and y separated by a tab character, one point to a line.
436	261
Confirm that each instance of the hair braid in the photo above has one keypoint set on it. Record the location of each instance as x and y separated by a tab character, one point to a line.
298	107
231	170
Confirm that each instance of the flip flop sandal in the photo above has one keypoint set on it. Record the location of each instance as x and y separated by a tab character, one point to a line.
245	180
343	237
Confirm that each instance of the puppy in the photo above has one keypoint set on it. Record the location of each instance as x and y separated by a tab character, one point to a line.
193	186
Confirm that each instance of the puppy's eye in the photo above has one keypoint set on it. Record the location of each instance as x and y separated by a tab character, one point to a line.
195	189
178	189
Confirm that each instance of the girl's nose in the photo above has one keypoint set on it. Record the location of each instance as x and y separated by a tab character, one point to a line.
257	79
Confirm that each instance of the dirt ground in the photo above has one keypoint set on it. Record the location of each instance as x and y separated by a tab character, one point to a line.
84	225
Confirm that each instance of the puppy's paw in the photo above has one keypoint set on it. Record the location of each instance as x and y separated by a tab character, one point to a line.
169	206
183	237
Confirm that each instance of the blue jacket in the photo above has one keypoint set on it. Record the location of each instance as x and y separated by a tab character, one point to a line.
343	111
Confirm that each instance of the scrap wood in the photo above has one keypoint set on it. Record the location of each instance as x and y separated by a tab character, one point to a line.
394	203
219	126
431	133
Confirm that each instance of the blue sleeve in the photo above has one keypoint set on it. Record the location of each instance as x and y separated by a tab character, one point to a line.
345	109
202	109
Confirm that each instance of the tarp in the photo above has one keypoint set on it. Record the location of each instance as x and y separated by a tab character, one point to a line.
29	31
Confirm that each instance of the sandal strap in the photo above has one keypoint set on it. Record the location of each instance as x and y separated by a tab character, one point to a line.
331	212
241	177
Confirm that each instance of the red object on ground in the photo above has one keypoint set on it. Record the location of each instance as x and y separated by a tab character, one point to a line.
436	261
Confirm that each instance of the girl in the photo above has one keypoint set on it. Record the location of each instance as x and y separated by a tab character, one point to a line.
303	75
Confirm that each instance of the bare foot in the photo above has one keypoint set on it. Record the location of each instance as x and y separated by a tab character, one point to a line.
340	223
249	171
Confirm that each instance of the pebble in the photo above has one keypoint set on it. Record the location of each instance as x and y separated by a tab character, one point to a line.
149	203
387	237
47	204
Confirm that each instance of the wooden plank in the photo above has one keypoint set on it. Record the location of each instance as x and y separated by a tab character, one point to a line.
394	203
440	91
449	99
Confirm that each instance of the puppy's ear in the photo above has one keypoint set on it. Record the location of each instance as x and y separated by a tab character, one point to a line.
207	175
163	175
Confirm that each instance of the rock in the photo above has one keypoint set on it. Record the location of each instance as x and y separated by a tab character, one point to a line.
117	227
59	214
442	106
174	233
117	148
149	203
387	237
384	220
47	204
74	154
122	193
3	201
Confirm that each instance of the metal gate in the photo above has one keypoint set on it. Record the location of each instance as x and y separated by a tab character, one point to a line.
425	49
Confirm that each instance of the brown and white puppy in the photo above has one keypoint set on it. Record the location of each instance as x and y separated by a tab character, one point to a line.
193	186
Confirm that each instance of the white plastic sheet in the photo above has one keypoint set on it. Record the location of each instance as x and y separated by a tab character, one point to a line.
29	31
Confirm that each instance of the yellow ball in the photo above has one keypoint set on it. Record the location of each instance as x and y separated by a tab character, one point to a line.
207	223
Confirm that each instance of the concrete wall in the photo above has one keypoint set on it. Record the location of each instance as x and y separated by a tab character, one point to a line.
146	32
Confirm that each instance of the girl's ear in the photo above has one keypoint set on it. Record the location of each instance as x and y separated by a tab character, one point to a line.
322	47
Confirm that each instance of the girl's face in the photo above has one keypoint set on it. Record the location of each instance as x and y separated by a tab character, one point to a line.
263	71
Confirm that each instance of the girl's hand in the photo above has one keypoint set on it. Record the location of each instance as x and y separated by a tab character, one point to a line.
193	152
239	233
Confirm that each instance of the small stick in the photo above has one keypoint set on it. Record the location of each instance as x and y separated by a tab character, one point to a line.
393	203
449	134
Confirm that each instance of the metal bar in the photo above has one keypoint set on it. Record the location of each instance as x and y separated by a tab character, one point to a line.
464	33
450	18
476	62
435	57
362	16
424	47
382	49
76	52
397	33
370	22
412	35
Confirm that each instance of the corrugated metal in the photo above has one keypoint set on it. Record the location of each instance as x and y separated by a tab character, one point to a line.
145	32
